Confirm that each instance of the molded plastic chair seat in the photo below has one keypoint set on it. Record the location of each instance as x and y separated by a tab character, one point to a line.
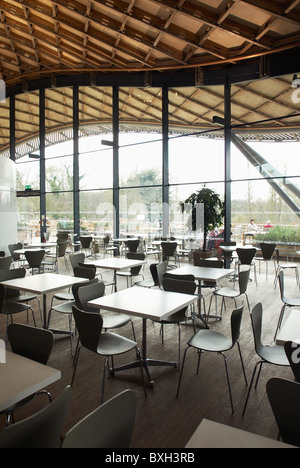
113	344
109	426
42	430
210	341
268	354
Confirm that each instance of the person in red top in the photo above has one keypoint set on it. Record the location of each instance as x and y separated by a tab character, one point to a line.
268	225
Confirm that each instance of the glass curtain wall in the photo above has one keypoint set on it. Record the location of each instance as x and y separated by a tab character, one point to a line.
141	163
59	160
96	161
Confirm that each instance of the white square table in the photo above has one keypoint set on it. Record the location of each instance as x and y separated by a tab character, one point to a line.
203	274
117	264
149	304
21	377
42	285
214	435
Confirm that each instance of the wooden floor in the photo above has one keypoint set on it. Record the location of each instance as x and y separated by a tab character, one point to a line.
162	420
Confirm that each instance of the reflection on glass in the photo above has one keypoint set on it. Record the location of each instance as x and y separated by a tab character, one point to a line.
97	212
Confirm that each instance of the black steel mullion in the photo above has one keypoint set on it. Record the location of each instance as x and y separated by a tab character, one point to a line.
116	167
42	164
227	136
165	162
76	195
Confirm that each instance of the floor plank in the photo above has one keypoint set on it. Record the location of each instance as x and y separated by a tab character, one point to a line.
162	420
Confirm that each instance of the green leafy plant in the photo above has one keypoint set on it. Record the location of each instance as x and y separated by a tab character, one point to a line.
285	234
214	210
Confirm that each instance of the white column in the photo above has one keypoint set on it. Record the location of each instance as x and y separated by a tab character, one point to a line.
8	203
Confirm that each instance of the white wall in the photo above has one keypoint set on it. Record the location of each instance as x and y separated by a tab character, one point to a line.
8	203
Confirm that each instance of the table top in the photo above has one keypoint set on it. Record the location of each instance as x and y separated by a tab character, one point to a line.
214	435
44	283
290	330
203	273
116	263
152	304
21	377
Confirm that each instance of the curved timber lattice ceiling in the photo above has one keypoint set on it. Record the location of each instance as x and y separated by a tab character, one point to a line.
40	37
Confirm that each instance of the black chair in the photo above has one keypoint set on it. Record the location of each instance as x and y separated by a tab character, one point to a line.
94	290
133	245
10	308
76	258
35	259
213	342
233	293
183	287
32	343
245	257
86	244
90	326
274	355
42	430
284	398
61	251
109	426
15	256
135	271
292	351
150	283
83	272
267	251
98	275
13	294
169	251
287	301
5	263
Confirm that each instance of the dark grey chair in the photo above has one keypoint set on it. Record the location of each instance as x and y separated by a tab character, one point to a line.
5	263
35	259
287	301
90	326
245	257
213	342
183	287
32	343
292	351
42	430
233	293
150	283
169	251
84	272
76	258
109	426
10	308
94	290
13	294
274	355
135	271
284	398
267	251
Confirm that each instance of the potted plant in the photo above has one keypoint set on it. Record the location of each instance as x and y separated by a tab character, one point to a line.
214	211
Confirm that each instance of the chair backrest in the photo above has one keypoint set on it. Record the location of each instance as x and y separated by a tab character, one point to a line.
62	236
86	241
34	257
211	263
267	250
246	255
2	295
88	293
136	256
13	247
176	285
30	342
82	272
42	430
109	426
161	269
256	320
178	277
89	326
5	263
281	286
168	248
76	258
284	398
133	245
292	351
236	322
14	273
61	249
153	271
244	280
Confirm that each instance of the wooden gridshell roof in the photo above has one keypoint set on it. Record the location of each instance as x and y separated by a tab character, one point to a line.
46	38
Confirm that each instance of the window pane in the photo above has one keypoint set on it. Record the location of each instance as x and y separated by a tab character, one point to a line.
59	207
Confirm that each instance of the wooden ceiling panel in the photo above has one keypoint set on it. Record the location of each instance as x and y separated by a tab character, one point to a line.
69	35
